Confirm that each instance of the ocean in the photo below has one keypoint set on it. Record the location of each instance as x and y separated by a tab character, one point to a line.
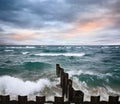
31	70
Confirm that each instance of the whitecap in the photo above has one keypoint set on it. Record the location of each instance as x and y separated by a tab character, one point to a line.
29	47
104	47
117	47
79	72
8	50
24	53
61	54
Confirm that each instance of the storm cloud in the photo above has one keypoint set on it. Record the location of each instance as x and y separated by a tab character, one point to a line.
63	20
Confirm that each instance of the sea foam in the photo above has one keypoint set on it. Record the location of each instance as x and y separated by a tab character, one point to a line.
61	54
15	86
103	92
8	50
24	53
79	72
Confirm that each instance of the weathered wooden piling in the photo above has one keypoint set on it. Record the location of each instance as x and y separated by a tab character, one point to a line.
78	97
66	84
58	100
58	70
31	102
13	102
40	99
103	102
61	77
113	99
95	99
70	90
22	99
4	99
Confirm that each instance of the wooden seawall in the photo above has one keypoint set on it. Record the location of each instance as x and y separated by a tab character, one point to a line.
68	92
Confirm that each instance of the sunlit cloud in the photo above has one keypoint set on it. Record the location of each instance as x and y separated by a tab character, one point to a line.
86	28
23	35
90	26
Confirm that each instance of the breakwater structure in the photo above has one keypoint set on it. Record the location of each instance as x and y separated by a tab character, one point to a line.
69	94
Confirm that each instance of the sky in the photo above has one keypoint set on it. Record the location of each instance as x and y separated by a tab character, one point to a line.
59	22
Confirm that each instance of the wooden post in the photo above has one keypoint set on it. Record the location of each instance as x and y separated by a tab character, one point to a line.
58	70
78	97
103	102
5	99
0	98
40	99
70	90
67	102
13	102
113	99
31	102
22	99
61	76
95	99
63	84
87	102
59	100
66	84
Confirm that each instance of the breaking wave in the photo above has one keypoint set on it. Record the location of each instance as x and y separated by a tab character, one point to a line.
24	53
8	50
61	54
103	92
79	72
15	86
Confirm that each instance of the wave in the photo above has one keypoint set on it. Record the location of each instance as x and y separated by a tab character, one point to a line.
8	50
103	92
15	86
24	53
105	47
93	79
19	47
54	50
61	54
76	72
36	65
30	47
117	47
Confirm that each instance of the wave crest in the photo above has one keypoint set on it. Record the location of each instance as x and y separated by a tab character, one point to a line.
21	47
61	54
15	86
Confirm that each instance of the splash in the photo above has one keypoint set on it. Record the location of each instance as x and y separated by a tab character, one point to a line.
15	86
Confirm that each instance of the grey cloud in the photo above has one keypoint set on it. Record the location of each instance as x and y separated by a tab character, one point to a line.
9	5
52	11
28	14
24	13
116	13
1	30
108	37
9	10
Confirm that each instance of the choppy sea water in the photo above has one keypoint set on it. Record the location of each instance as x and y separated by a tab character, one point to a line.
30	70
